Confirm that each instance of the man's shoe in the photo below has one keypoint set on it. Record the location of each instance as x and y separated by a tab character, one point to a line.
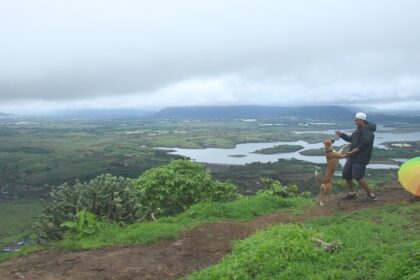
371	197
350	196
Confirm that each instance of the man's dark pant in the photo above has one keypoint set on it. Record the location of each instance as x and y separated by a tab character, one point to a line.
353	170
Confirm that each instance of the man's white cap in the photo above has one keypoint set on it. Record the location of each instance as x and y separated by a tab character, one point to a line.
360	116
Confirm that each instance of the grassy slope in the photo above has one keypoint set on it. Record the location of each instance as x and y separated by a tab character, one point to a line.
380	243
243	209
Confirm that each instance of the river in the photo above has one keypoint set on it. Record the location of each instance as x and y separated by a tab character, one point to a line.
227	156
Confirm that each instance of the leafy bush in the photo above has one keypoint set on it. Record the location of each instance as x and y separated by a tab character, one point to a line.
172	188
109	198
159	191
274	187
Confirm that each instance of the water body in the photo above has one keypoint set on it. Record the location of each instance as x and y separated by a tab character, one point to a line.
224	156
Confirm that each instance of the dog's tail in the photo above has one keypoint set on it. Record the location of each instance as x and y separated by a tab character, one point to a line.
319	197
317	177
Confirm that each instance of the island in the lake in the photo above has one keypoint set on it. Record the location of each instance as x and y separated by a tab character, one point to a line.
280	149
237	156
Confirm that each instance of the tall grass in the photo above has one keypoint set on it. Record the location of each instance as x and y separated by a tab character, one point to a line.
382	243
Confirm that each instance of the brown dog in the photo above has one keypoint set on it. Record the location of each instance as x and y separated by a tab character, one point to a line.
332	163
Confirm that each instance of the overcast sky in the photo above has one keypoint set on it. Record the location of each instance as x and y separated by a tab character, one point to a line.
74	54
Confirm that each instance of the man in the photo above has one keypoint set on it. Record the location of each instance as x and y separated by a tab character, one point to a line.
359	155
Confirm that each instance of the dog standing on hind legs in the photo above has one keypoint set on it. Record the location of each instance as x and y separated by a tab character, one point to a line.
333	158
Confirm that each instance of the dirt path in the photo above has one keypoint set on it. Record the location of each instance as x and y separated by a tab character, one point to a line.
193	250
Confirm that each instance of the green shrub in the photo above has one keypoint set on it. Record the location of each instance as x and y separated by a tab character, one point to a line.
160	191
63	207
109	198
172	188
224	191
274	187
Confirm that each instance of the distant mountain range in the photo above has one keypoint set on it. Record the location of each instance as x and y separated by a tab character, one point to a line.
257	112
321	113
316	113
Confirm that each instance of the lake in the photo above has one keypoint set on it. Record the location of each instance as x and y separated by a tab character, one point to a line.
224	156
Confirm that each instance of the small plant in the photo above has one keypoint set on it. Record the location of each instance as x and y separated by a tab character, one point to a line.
84	223
224	191
274	187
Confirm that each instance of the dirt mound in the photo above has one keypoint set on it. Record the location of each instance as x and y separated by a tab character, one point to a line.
193	250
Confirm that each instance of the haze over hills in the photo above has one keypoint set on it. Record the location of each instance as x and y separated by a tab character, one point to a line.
233	112
322	113
2	115
328	113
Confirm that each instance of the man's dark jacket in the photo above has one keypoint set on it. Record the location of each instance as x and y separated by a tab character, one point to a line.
361	138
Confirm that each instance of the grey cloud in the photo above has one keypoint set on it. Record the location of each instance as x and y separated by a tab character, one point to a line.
72	50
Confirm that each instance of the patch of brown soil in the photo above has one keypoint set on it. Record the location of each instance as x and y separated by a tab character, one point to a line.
171	259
